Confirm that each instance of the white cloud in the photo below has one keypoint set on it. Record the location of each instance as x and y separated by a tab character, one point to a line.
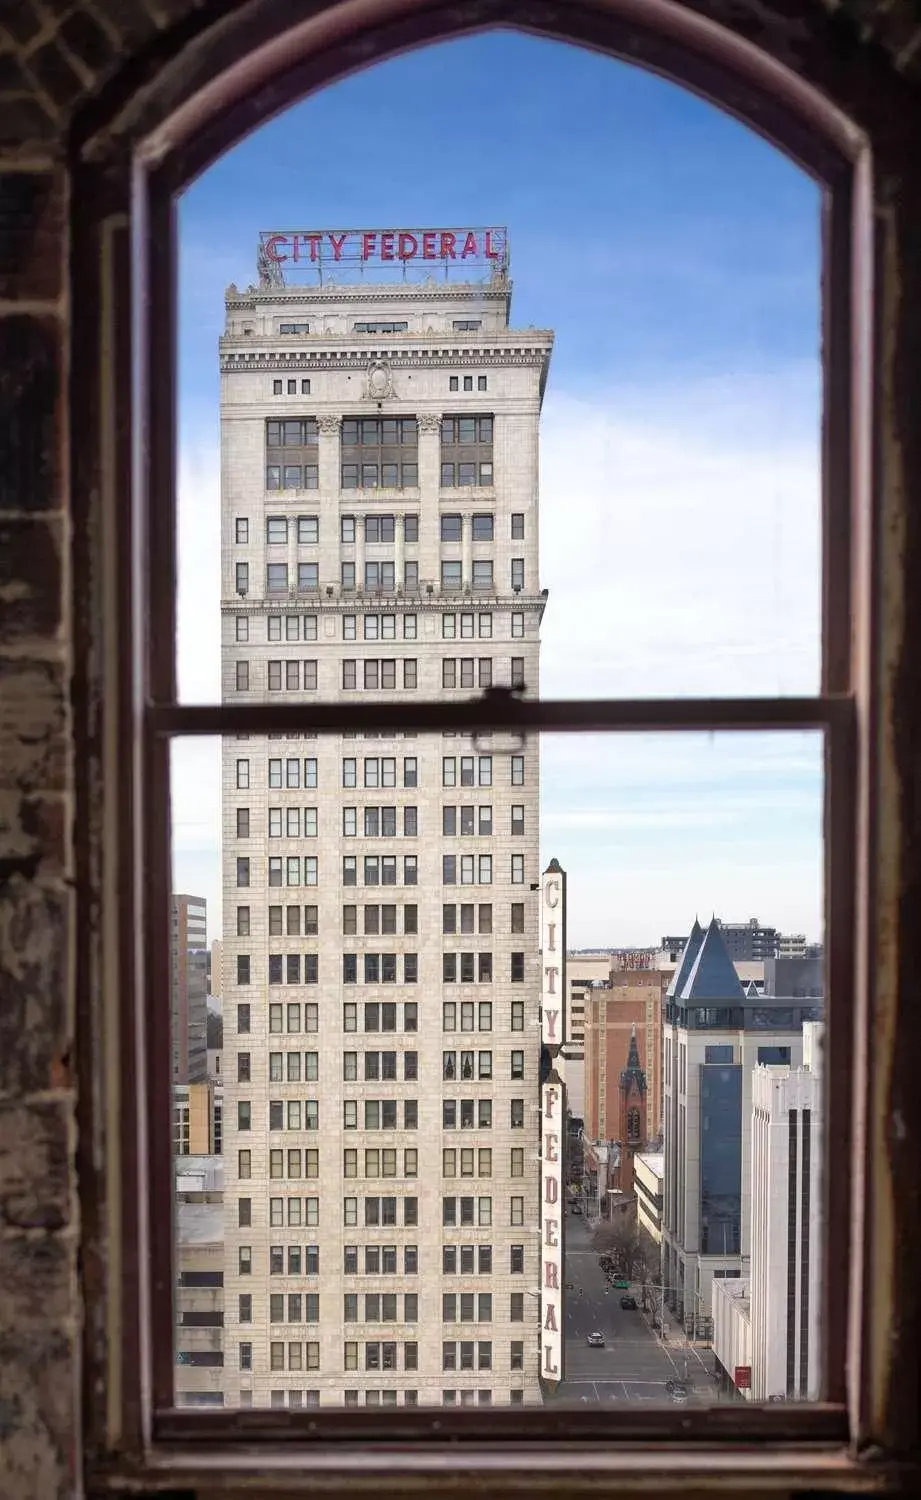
679	541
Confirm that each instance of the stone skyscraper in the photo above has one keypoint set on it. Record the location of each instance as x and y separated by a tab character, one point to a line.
379	458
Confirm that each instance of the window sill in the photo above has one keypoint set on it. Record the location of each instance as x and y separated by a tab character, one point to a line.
552	1466
378	492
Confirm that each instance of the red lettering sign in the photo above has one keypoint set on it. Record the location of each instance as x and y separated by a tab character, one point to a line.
551	1017
551	1233
551	1146
551	1189
551	974
551	1276
407	245
550	1323
549	1367
271	247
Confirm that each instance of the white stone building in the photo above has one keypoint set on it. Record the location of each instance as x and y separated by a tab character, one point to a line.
715	1035
380	538
775	1311
648	1174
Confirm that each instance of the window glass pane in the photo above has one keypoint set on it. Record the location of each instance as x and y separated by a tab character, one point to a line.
670	472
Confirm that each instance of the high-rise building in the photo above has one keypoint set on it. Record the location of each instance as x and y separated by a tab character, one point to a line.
628	1010
199	1221
380	928
189	988
584	971
715	1034
766	1324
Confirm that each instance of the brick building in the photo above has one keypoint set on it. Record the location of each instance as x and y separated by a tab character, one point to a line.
629	1012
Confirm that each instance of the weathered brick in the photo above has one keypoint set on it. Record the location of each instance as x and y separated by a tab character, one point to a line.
21	20
33	832
12	78
30	396
32	230
35	935
38	1419
37	1274
56	74
33	718
35	1165
25	123
87	41
129	18
30	579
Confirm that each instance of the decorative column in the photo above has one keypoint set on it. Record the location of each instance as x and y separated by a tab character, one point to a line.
359	552
429	457
329	482
467	552
398	549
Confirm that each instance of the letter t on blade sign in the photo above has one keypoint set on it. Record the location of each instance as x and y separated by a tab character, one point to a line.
553	998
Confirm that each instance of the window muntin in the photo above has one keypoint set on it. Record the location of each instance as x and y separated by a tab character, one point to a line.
466	451
379	453
291	453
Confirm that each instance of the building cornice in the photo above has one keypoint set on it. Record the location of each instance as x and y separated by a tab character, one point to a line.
363	602
253	297
237	356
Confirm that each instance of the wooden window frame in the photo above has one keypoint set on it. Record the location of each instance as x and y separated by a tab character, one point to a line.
132	157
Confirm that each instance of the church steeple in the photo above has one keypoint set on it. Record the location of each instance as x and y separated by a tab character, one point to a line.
633	1074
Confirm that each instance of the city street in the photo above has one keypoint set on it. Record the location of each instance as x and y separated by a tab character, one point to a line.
634	1365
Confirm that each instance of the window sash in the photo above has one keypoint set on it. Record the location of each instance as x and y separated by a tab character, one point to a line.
833	711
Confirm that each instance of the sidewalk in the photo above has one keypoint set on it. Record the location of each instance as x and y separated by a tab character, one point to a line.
697	1355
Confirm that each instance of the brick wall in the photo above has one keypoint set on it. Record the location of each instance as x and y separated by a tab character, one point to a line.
56	58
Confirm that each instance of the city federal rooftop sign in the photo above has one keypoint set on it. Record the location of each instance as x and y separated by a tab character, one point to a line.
342	256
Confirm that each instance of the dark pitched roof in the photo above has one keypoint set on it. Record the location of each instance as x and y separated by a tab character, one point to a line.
685	963
633	1072
712	975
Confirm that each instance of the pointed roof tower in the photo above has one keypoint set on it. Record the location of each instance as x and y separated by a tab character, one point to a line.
712	975
685	963
751	990
633	1072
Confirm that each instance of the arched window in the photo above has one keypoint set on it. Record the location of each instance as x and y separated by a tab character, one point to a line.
125	293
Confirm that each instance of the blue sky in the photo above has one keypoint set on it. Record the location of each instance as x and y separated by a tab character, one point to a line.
676	257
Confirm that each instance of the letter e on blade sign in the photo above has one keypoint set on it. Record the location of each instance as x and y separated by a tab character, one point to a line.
553	1124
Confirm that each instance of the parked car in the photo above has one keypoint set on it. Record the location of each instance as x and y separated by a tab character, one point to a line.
677	1390
628	1304
622	1284
577	1208
595	1341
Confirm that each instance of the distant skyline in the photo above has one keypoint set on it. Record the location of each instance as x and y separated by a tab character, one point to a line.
676	256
